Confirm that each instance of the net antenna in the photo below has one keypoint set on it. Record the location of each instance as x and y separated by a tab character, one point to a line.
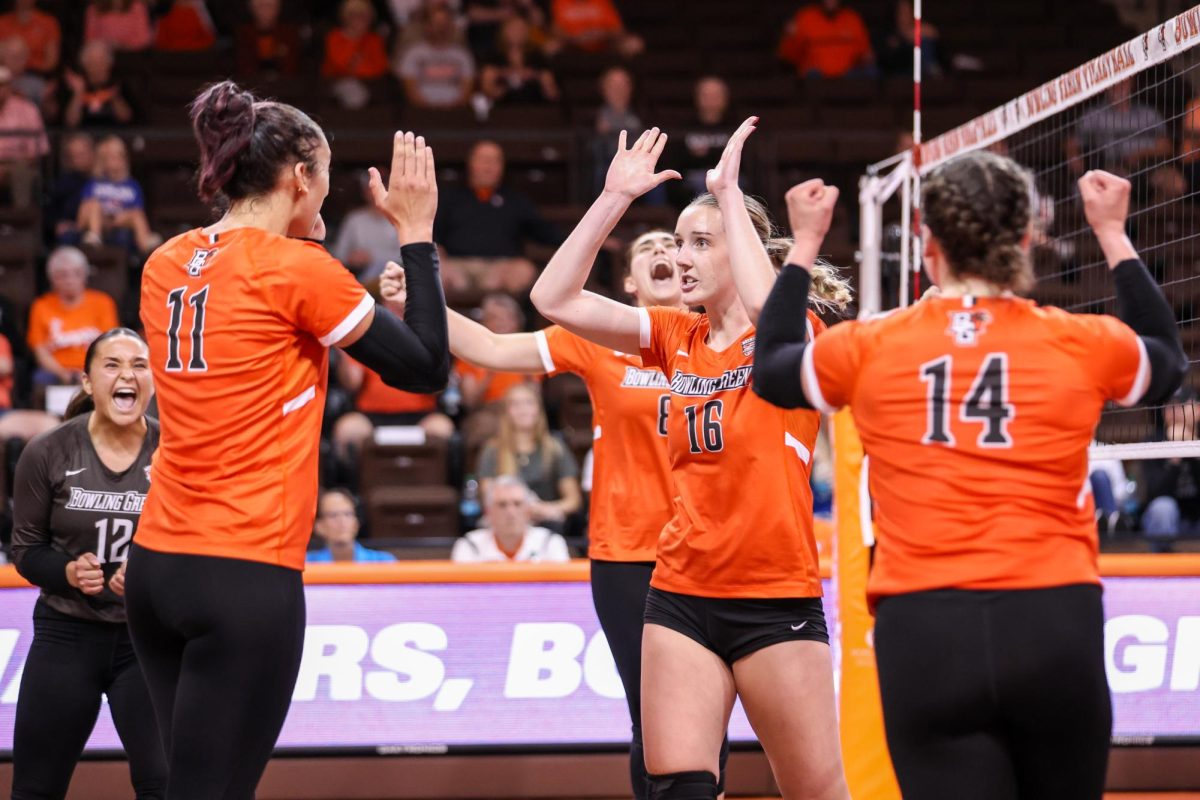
1135	111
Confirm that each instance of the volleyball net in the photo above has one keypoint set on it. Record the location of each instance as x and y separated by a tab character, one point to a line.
1134	111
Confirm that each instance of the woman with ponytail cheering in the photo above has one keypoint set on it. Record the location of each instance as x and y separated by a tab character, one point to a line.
78	497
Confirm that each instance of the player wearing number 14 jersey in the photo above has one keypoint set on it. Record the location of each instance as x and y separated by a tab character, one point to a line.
976	409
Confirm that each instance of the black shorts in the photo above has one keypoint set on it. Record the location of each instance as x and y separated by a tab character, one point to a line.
734	628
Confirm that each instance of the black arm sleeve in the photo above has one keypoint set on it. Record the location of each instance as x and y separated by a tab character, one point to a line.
413	354
38	561
1142	306
780	340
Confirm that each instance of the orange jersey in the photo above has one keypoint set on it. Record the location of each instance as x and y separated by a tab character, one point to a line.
239	327
67	331
631	478
976	416
376	397
742	521
498	383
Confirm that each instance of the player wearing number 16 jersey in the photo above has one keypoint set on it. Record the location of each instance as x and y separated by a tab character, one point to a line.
976	408
78	496
239	318
734	609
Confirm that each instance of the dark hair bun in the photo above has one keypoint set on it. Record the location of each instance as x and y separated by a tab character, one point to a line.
223	120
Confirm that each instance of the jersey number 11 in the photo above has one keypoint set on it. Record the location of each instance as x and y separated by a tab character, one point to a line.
175	301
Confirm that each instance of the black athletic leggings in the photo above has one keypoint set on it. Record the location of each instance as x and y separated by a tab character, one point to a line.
71	663
619	591
995	695
219	640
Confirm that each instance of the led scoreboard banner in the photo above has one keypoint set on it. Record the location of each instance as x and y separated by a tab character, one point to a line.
432	657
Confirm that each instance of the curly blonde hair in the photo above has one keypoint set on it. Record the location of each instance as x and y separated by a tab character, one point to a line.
830	290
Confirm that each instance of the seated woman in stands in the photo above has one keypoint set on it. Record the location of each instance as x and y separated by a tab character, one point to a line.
525	447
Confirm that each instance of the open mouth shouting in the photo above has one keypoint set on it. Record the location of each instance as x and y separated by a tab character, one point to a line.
125	399
688	283
662	270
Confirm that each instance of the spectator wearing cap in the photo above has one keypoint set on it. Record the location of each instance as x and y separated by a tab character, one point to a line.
509	536
23	143
337	526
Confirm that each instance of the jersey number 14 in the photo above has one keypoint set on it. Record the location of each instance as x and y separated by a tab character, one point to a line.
986	401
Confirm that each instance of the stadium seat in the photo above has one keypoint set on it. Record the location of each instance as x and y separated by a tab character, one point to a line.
412	512
387	465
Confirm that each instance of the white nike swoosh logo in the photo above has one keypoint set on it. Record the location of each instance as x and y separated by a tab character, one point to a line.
681	353
801	625
71	472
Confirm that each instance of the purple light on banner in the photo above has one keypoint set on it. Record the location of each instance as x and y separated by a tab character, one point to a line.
413	665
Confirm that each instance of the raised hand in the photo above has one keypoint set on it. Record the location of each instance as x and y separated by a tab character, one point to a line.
1105	201
393	289
810	209
724	177
409	200
631	172
86	574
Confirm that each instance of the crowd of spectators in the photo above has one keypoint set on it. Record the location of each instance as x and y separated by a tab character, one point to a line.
477	57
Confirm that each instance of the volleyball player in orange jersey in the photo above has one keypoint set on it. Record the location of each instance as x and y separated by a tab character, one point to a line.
734	607
239	318
976	408
631	486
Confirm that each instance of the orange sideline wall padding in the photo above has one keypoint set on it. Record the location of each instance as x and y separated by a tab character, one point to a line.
1173	564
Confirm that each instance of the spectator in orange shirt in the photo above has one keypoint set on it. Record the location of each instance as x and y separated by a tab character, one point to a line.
593	26
268	44
123	24
354	50
187	27
40	32
827	40
65	320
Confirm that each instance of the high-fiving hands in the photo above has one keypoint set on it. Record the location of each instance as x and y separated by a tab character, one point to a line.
631	172
409	200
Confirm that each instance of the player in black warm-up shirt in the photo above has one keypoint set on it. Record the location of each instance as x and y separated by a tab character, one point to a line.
78	495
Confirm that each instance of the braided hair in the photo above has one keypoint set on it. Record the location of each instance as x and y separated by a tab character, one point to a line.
978	206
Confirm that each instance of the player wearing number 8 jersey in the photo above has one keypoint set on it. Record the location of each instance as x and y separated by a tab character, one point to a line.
734	608
239	318
79	491
632	485
976	409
